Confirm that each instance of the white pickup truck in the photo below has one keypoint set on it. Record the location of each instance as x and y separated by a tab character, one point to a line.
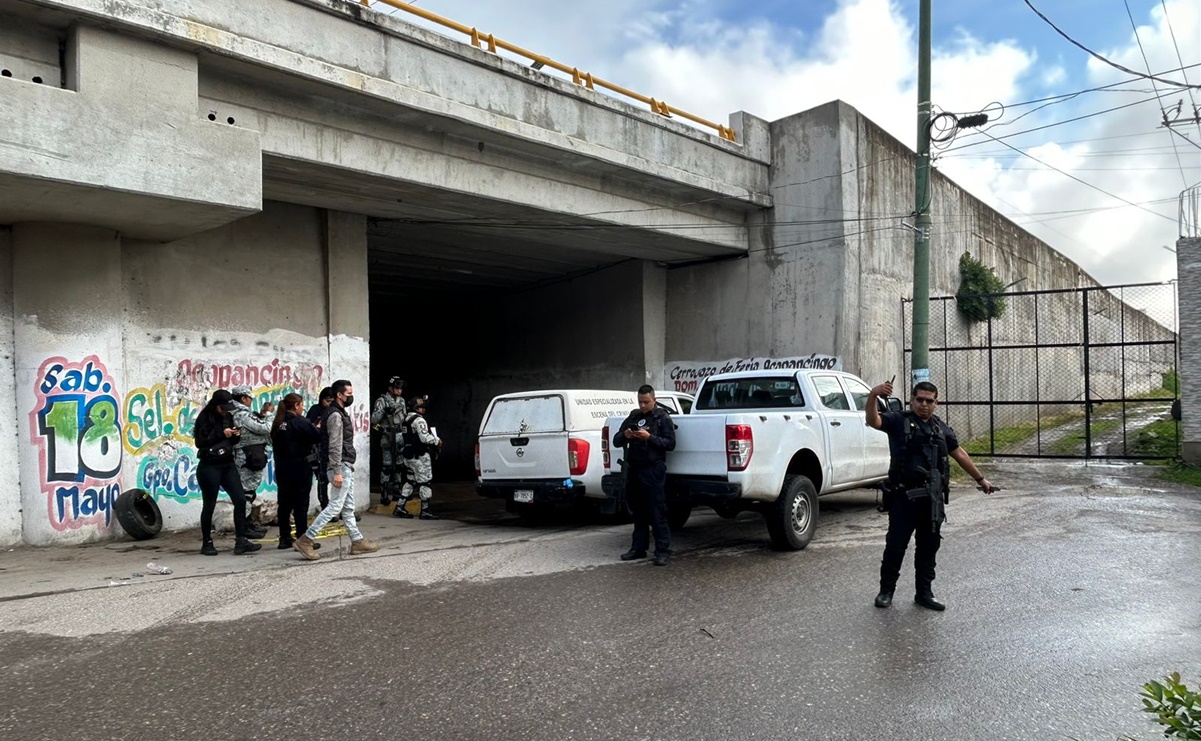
537	449
770	442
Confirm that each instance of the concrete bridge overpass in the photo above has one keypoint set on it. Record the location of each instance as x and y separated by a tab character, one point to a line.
172	118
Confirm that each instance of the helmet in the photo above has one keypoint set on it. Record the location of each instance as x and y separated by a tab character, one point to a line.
396	382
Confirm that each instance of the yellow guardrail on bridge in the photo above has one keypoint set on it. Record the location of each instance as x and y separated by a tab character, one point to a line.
588	80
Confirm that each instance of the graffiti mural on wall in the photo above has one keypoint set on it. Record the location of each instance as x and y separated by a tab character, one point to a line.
158	420
76	427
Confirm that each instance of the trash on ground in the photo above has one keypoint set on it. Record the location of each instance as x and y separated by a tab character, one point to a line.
154	568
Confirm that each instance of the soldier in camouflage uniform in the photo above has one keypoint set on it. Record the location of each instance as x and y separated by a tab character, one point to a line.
420	447
250	451
387	416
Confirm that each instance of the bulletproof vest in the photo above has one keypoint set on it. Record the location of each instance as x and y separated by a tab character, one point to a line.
348	453
413	446
925	449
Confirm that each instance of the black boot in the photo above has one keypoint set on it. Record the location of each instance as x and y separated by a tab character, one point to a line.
245	546
402	510
208	549
425	511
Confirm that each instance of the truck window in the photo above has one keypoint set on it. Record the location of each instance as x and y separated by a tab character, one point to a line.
524	415
750	393
831	393
858	391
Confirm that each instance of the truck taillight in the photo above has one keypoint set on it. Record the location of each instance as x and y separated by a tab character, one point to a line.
577	456
605	447
478	471
740	444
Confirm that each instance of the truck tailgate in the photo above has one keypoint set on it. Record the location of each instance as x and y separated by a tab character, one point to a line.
700	445
537	455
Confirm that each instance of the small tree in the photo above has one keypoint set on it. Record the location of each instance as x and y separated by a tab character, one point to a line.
1175	706
976	282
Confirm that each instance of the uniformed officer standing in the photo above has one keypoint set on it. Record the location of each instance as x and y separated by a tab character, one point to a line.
647	435
387	415
250	452
420	446
917	487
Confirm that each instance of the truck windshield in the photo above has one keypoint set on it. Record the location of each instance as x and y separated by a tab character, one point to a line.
750	393
523	415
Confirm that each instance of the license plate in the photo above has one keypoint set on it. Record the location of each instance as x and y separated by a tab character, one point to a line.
523	495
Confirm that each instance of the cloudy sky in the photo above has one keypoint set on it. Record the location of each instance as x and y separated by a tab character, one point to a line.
773	58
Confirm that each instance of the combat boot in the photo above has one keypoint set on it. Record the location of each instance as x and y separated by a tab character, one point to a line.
425	511
304	546
208	549
402	510
362	545
242	545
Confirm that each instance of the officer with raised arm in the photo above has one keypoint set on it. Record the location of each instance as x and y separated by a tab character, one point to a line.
917	488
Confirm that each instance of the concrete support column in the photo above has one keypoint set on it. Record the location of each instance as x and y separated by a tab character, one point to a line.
349	329
1188	271
67	308
10	476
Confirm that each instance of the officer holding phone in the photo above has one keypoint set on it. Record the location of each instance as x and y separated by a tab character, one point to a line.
917	488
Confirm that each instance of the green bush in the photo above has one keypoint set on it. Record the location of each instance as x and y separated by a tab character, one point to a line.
976	282
1174	706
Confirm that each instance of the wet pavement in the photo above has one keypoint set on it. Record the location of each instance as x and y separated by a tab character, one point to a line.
1067	591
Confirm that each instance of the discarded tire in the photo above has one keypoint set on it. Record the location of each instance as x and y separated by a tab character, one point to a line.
138	514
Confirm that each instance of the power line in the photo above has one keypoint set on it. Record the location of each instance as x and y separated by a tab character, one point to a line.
1143	52
1082	182
1095	55
1050	125
1179	57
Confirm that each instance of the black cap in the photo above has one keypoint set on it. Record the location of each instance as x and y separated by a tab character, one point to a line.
396	382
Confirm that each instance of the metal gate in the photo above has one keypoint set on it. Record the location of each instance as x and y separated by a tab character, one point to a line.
1073	373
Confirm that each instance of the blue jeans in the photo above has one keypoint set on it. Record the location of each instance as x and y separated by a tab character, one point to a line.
341	502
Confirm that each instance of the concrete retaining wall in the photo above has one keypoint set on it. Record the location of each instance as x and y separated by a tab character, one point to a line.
1188	266
119	344
11	434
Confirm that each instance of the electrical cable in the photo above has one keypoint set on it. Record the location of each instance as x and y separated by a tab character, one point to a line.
1095	55
1155	87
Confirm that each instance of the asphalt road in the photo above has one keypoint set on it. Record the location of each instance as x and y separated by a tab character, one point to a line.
1067	591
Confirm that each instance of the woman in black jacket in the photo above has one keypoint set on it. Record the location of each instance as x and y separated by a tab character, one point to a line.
215	436
292	439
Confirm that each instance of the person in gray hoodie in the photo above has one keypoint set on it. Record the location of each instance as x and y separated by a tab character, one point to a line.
250	452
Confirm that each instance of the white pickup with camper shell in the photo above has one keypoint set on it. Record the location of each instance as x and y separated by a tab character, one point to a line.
541	448
770	441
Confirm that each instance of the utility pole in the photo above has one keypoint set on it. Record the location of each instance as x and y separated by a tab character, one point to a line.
921	241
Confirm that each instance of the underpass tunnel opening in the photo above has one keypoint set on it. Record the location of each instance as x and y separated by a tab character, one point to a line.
468	308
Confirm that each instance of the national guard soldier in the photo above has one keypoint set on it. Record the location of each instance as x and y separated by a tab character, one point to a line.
421	445
917	488
387	415
250	452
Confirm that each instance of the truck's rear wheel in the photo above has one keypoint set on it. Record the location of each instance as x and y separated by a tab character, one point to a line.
792	520
678	514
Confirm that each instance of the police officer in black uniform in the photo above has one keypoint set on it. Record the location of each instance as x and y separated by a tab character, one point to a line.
917	488
647	435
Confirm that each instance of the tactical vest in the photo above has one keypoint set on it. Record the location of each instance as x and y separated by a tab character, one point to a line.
925	446
413	446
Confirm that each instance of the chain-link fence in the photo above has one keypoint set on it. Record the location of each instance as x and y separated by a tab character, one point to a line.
1074	373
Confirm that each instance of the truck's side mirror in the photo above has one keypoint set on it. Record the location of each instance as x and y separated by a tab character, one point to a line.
891	404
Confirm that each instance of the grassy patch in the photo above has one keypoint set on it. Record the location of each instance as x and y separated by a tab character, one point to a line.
1073	444
1158	439
1007	437
1181	473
